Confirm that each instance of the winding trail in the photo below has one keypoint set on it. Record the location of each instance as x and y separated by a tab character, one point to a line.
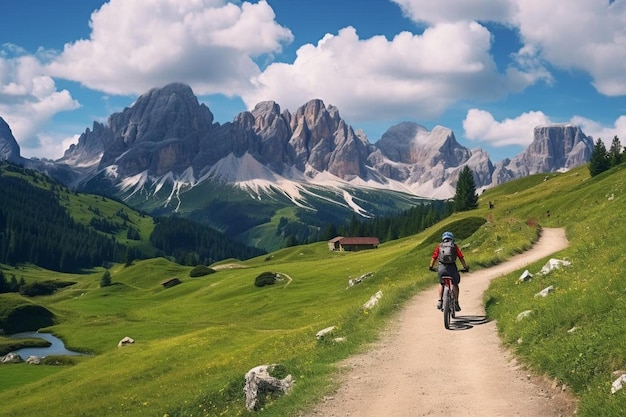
408	372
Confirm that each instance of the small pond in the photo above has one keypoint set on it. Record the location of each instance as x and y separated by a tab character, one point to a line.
56	348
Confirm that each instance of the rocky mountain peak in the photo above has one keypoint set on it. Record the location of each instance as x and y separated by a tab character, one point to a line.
9	148
554	147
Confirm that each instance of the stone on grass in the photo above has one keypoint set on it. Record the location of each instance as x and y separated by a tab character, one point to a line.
260	384
521	316
545	291
125	341
11	358
353	281
526	276
33	360
618	384
324	332
553	264
371	303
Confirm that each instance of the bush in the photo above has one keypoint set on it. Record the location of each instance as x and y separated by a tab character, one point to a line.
37	288
200	271
25	317
266	278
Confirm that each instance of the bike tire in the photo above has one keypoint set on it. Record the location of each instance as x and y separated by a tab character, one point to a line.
447	308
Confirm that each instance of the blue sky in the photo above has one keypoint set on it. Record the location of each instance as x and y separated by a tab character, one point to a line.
490	70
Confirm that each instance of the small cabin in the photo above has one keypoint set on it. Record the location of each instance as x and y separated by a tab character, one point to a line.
353	244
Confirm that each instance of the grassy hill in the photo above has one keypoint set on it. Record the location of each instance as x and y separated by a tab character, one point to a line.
195	341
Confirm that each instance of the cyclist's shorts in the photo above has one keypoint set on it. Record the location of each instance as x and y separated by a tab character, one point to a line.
451	271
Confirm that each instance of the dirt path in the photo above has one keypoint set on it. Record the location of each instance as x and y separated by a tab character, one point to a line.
407	373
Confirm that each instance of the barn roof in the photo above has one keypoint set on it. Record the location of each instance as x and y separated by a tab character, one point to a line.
359	241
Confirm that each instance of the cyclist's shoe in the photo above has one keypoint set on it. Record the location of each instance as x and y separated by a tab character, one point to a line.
439	305
457	306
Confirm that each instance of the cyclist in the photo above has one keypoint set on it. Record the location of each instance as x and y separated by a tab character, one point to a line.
448	266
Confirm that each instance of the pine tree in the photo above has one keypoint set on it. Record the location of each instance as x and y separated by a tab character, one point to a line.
615	152
465	197
599	161
105	280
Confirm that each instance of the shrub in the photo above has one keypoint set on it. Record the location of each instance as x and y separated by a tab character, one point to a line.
266	278
37	288
200	271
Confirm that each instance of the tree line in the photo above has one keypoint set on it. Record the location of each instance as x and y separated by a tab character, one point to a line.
602	159
35	228
191	243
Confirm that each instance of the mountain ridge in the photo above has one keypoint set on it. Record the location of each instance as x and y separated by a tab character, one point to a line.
167	143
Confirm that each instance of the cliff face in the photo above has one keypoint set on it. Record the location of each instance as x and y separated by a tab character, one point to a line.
554	148
9	149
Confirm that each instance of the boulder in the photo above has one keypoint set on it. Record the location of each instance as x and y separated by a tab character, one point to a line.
526	276
33	360
371	303
125	341
324	332
11	358
521	316
545	291
553	264
260	384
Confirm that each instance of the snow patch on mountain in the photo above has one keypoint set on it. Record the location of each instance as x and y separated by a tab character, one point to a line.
351	203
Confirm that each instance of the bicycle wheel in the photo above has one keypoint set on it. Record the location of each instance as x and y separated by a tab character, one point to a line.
447	307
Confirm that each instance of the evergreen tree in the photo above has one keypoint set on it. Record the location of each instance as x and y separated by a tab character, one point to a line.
615	152
465	197
105	280
599	161
4	285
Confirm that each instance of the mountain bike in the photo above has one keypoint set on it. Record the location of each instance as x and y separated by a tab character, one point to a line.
448	306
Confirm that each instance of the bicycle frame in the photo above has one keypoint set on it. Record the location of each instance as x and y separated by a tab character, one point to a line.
449	301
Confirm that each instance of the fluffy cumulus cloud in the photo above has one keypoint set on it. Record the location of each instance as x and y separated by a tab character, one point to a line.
429	11
452	58
28	99
409	75
137	45
587	35
480	125
599	131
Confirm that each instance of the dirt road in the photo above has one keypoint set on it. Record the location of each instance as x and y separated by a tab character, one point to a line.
409	371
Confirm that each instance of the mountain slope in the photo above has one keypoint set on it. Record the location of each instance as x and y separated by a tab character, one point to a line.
44	223
225	325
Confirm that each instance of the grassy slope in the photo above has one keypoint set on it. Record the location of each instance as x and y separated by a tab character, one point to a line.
194	342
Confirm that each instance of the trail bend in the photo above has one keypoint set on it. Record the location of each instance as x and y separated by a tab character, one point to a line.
409	371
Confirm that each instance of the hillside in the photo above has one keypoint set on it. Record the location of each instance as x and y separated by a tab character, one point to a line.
44	223
195	341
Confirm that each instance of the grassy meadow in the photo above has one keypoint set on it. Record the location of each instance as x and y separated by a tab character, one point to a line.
194	342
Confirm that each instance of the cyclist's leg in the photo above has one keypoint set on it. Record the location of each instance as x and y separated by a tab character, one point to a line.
455	289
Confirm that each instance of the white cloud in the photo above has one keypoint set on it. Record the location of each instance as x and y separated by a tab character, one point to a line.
480	125
138	45
587	35
28	99
457	10
416	76
598	131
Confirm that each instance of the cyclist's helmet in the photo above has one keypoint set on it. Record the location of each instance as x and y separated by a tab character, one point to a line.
447	235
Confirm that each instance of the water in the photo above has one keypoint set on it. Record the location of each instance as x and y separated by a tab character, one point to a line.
56	348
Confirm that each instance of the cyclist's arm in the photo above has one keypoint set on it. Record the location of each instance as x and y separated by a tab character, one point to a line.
434	258
459	254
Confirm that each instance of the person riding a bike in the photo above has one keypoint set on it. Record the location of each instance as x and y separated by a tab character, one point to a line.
447	265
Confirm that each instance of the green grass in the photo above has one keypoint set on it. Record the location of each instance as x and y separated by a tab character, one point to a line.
195	341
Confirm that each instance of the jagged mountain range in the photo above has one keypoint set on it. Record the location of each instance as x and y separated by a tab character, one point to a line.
167	144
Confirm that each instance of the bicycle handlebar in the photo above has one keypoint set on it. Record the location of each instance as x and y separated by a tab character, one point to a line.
433	269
